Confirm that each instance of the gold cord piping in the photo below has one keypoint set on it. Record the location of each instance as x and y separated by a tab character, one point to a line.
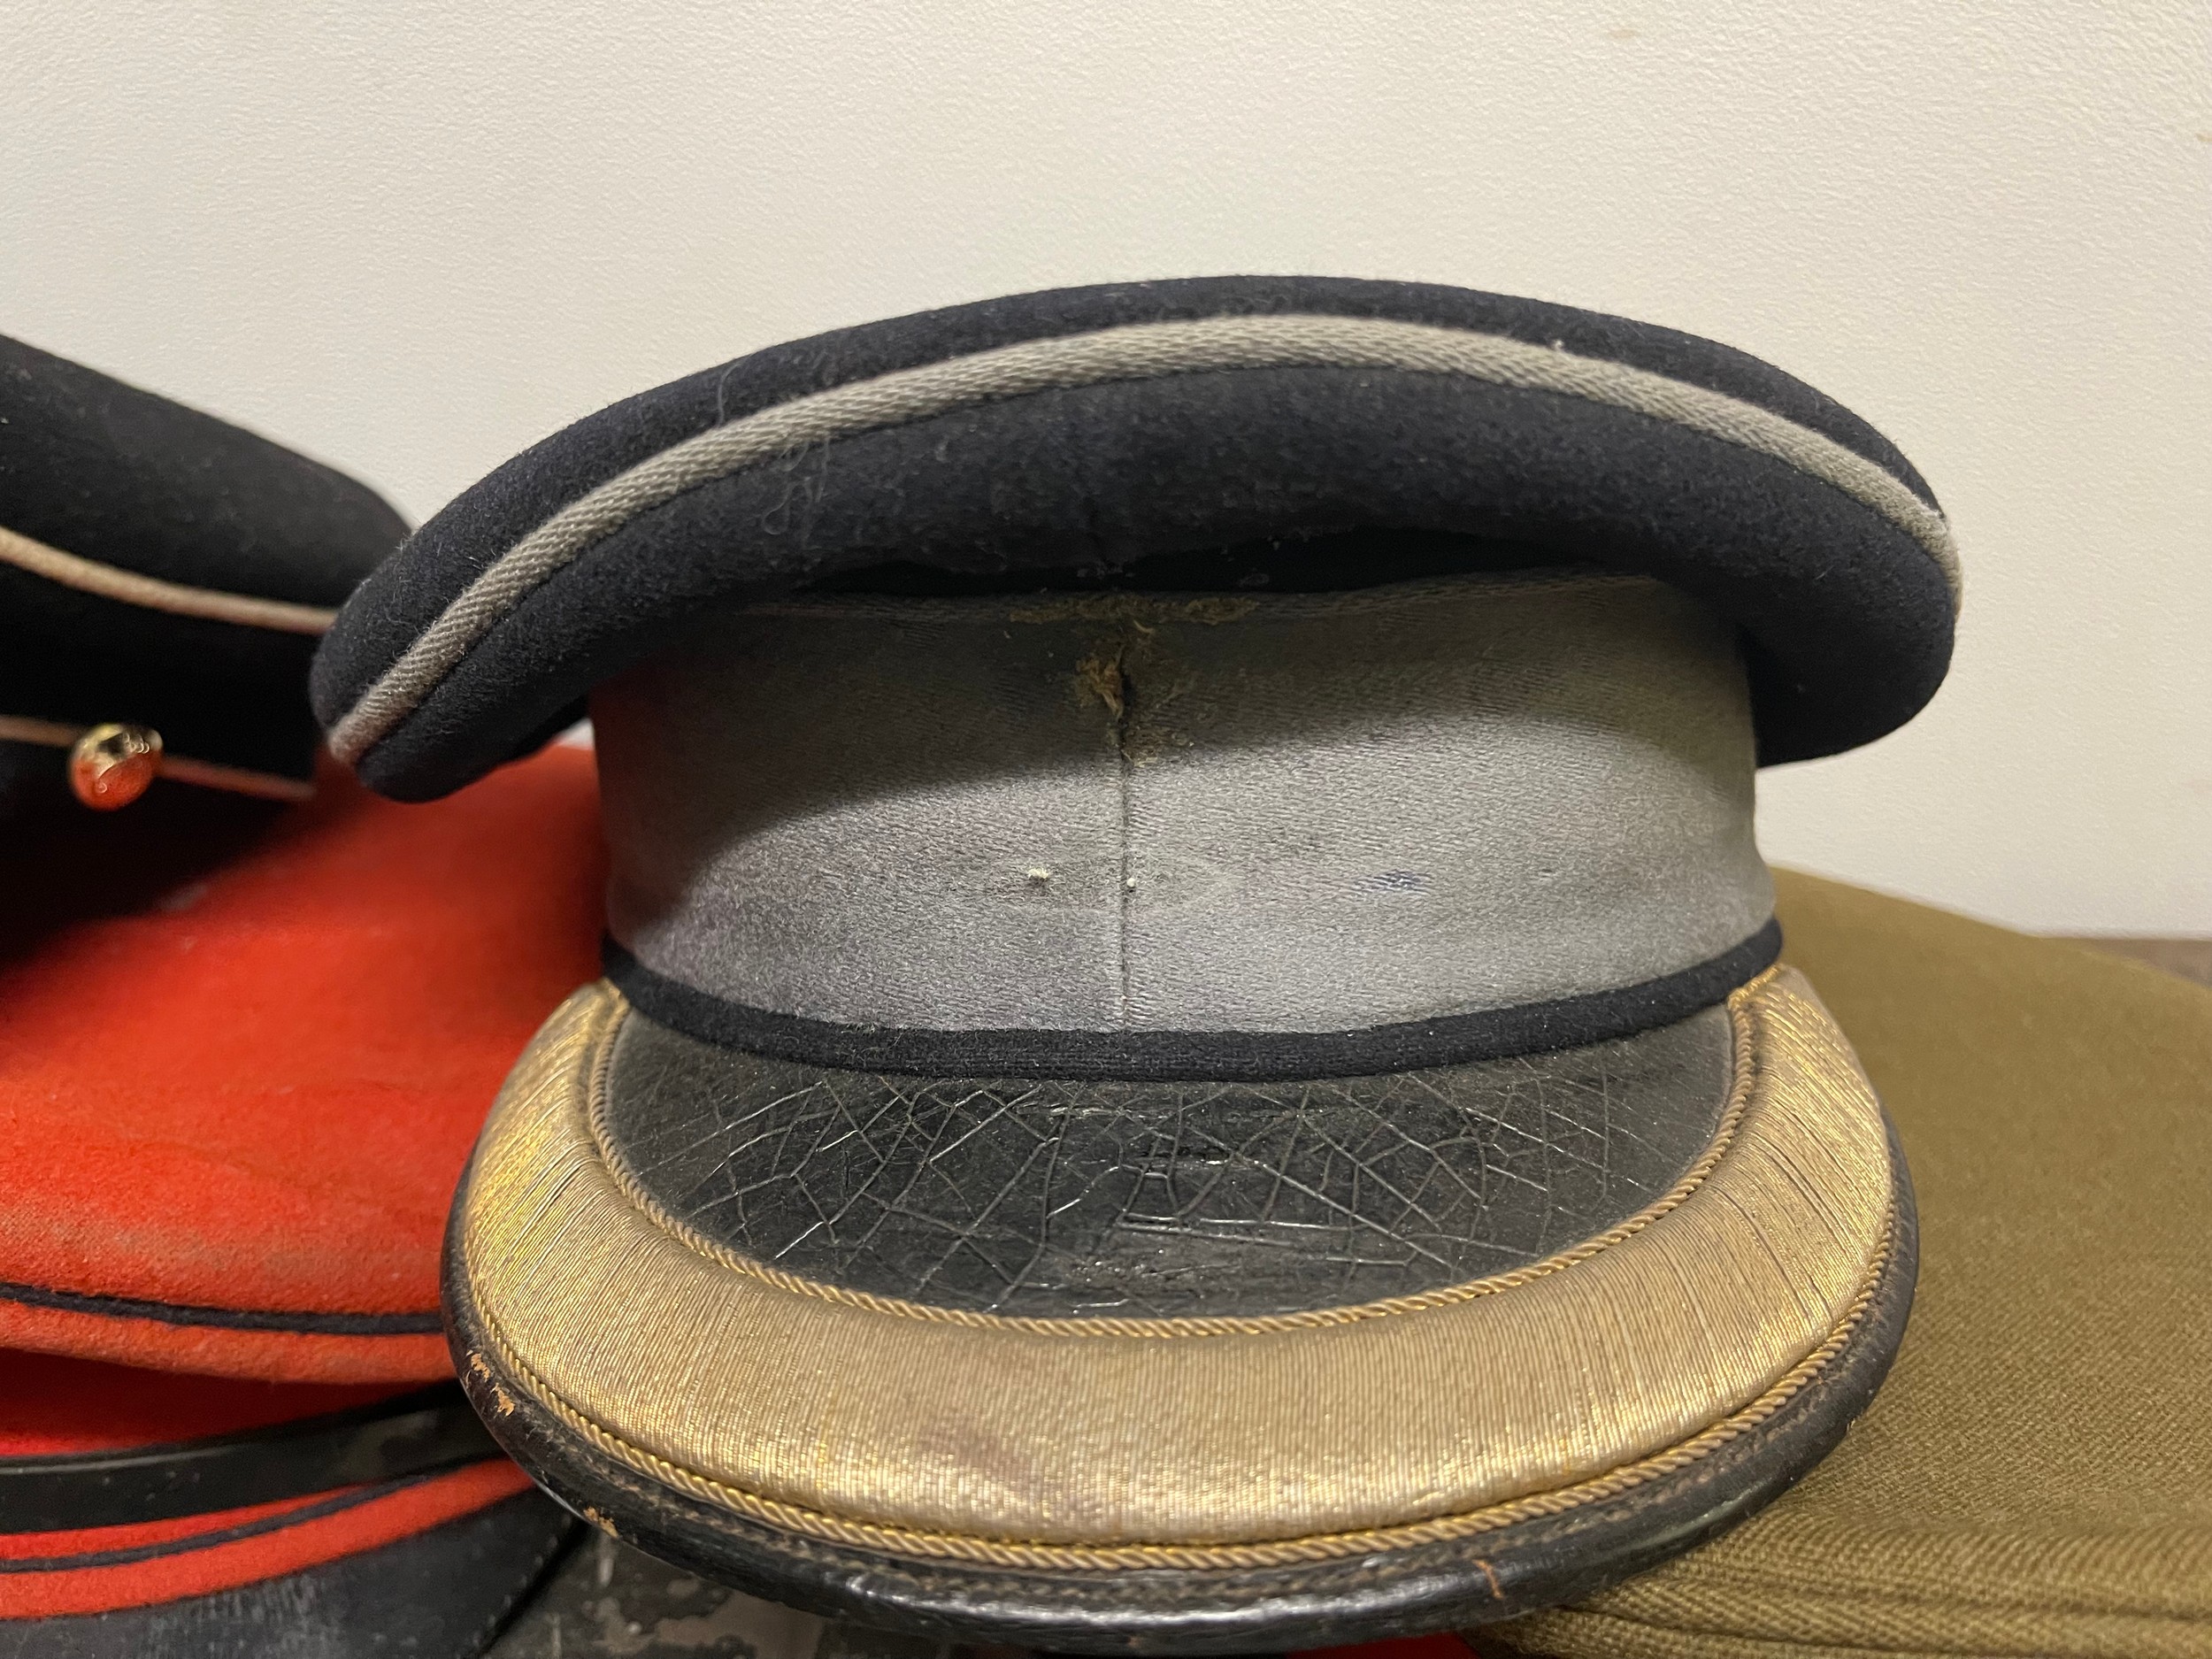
1220	1557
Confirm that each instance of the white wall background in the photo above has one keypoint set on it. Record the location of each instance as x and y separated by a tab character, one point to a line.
411	238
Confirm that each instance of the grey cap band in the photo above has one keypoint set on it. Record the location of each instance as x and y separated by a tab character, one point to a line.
1121	813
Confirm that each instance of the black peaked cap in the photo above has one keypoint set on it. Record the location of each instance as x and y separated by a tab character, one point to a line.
1294	431
161	567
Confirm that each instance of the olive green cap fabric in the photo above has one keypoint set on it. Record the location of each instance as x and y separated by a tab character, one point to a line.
2036	1477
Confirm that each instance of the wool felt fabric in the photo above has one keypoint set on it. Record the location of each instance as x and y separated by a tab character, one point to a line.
2036	1479
120	476
1276	432
241	1075
162	567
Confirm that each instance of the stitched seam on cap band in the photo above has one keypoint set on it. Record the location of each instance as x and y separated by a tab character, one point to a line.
1743	1074
1134	351
150	593
1323	1546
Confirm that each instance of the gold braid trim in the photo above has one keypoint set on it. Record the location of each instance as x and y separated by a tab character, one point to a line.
627	1180
1221	1557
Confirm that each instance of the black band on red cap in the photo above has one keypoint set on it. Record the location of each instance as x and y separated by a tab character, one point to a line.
409	1434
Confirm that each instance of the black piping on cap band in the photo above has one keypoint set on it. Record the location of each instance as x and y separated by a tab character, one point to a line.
1210	1056
493	646
393	1438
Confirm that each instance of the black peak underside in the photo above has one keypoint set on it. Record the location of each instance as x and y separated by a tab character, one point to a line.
1114	1198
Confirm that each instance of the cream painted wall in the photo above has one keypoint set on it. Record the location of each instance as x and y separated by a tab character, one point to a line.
411	238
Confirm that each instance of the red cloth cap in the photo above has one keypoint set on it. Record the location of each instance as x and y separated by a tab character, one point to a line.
232	1116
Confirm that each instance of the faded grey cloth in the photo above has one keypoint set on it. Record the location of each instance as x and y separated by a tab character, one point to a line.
1122	812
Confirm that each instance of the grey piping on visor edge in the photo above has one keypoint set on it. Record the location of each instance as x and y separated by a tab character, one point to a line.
1133	351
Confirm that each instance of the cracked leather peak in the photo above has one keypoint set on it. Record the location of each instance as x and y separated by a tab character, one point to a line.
1115	1196
1166	1081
